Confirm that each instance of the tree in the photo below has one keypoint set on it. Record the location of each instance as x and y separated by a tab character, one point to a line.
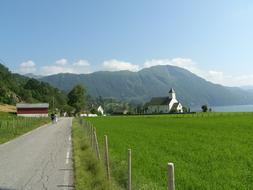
76	98
185	109
100	101
66	109
139	109
204	108
93	111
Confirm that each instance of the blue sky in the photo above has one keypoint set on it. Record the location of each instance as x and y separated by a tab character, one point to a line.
210	38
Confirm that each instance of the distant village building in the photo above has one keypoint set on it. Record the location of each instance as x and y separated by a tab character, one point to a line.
100	110
164	104
32	110
88	115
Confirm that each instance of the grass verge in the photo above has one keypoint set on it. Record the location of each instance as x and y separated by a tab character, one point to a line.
89	172
12	126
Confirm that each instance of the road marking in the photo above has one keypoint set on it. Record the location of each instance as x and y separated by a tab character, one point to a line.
67	157
67	173
69	138
66	178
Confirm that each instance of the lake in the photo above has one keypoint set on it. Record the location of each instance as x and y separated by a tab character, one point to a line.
236	108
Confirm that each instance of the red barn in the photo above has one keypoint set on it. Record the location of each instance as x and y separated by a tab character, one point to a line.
33	110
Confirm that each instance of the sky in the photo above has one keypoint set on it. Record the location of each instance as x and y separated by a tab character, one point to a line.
213	39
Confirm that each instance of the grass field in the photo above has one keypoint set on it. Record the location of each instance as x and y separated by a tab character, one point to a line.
213	151
12	126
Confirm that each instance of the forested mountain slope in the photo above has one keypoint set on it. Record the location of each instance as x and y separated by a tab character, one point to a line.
155	81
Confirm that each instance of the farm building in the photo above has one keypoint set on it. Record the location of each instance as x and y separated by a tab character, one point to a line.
32	110
164	104
100	110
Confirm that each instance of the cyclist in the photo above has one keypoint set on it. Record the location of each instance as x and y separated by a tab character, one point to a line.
53	118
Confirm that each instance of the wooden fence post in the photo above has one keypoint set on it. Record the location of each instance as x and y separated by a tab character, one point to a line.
129	169
107	159
171	179
85	127
89	130
93	139
91	136
96	144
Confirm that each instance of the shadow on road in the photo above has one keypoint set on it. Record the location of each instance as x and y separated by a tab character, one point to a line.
69	186
4	188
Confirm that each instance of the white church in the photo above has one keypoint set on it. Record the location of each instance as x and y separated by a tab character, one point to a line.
164	104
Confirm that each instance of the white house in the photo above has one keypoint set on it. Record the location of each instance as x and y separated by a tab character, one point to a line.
88	115
164	104
100	110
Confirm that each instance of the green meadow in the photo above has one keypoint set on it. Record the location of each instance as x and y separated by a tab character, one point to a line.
12	126
210	151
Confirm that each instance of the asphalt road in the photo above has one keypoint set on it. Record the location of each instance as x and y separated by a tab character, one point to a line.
38	160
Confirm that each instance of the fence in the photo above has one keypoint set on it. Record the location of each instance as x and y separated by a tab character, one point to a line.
92	136
206	114
14	125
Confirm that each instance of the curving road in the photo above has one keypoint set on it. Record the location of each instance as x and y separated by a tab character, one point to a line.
38	160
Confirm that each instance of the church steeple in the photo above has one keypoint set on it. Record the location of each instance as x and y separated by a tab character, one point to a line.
172	94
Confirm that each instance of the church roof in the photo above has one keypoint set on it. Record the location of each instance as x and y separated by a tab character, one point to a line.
159	101
172	90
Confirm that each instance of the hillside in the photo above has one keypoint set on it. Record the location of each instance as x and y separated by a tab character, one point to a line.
7	108
16	88
155	81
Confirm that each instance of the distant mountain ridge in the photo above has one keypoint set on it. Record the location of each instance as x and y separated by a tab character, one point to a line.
151	82
31	75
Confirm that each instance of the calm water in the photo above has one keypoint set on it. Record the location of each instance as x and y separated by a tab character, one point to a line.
237	108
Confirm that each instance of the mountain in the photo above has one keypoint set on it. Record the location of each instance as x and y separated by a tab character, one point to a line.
31	75
16	88
150	82
247	88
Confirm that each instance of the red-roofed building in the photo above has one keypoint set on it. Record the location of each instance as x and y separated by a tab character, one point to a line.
32	110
